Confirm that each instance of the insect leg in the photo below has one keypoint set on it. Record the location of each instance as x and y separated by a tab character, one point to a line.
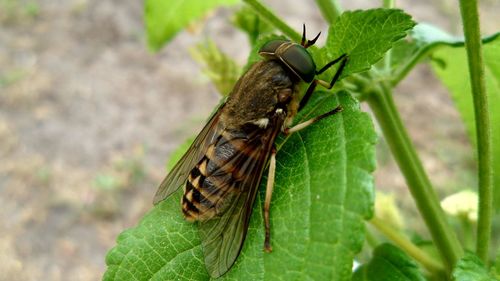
311	121
308	93
267	202
343	58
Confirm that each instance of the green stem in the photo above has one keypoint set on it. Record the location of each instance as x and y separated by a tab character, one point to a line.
371	239
330	9
470	17
271	17
397	238
467	231
410	64
382	104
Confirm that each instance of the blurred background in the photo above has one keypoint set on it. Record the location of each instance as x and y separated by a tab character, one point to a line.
88	118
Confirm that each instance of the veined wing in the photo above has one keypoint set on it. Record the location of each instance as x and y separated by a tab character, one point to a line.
177	177
224	233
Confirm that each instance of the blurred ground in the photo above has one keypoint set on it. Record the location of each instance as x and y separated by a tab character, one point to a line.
88	118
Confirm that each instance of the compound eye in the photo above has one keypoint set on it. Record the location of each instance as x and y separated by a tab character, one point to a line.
270	47
301	62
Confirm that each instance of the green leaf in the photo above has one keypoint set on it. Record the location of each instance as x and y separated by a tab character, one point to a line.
495	270
164	18
162	247
388	263
365	36
423	37
450	65
471	268
323	192
220	68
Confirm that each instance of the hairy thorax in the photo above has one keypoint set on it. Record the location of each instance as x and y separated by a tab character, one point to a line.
265	88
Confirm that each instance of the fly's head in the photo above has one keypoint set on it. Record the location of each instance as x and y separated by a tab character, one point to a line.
294	56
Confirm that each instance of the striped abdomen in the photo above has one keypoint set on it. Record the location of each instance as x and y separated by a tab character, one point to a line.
216	176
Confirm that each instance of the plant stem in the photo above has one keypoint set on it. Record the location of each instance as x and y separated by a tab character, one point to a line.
470	18
467	230
410	64
382	104
397	238
271	17
330	9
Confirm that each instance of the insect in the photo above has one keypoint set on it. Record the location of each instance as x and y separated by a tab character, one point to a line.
222	169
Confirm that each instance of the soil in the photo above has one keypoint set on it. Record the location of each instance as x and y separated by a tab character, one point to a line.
88	117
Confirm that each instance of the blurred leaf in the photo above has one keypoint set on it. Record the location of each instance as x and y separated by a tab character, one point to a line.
496	268
388	263
323	192
248	21
423	40
365	35
220	68
425	34
471	268
450	65
422	37
164	18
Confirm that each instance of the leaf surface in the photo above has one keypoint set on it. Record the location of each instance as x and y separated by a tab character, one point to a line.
323	192
424	39
389	263
471	268
365	35
450	65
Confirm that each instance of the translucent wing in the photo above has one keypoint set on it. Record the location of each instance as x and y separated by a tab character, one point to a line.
223	235
179	173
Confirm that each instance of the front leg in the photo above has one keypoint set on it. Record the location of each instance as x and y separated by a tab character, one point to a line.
343	61
311	121
267	202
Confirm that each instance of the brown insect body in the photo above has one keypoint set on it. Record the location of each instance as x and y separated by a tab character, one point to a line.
222	169
262	101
